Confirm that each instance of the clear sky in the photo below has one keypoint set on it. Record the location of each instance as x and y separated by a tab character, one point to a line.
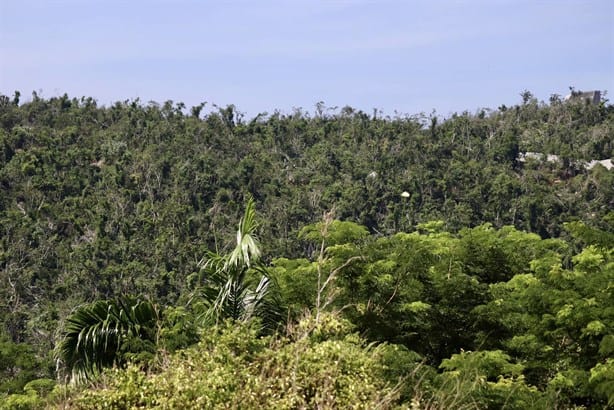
262	55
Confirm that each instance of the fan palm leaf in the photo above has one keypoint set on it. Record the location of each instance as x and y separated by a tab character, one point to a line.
94	334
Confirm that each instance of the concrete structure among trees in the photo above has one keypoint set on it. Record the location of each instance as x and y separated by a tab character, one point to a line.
594	97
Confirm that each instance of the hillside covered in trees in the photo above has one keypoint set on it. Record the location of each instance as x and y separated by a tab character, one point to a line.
322	259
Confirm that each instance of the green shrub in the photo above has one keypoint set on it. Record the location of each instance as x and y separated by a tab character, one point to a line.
233	368
28	401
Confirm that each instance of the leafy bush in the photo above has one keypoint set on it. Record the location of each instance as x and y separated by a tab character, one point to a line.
232	368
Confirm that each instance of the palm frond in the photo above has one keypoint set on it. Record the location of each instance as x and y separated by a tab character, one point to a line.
247	249
95	333
237	286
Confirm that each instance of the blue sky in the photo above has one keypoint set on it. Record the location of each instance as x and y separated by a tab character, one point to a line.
408	56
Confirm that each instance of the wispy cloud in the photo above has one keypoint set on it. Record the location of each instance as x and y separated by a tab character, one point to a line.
375	53
239	30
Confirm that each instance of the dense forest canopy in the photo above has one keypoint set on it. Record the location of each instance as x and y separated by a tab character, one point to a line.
481	269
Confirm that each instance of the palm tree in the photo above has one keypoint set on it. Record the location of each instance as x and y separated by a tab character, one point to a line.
100	335
237	285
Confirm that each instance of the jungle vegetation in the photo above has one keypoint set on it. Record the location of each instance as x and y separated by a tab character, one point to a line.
159	256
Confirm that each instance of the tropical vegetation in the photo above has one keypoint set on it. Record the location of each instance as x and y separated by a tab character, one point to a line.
159	256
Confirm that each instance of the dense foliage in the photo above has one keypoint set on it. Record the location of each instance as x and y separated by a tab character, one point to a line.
489	284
